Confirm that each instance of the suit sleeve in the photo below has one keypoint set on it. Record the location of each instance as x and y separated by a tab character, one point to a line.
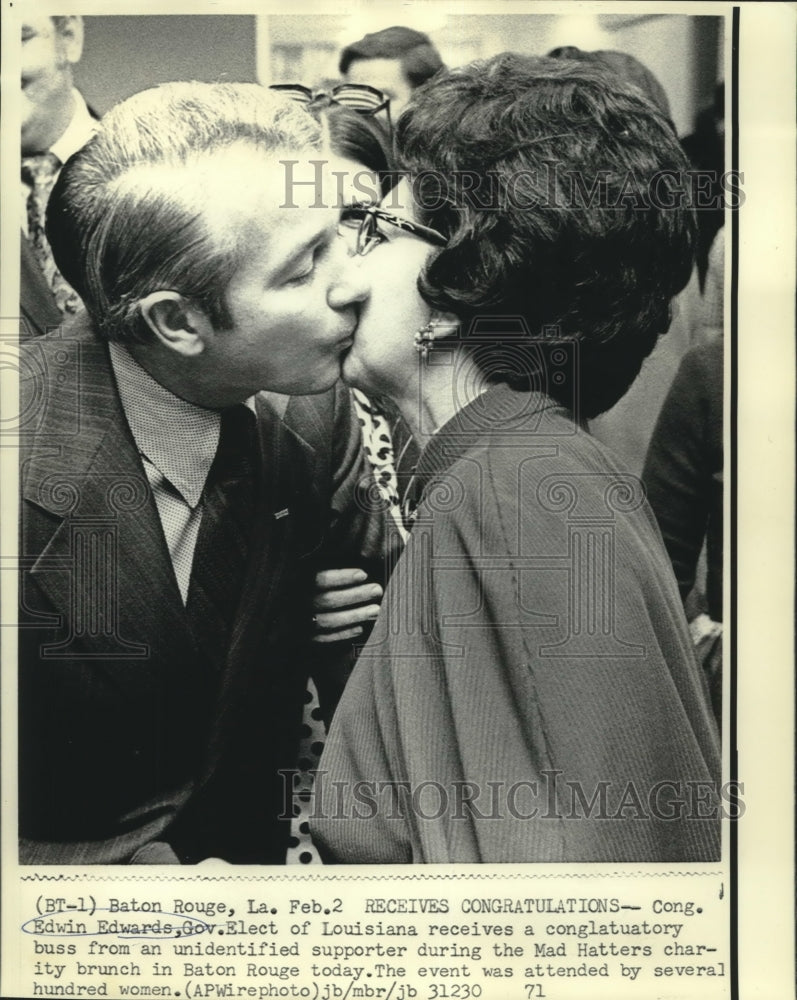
678	467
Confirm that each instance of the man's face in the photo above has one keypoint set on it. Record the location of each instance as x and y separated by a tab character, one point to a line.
386	75
48	55
294	299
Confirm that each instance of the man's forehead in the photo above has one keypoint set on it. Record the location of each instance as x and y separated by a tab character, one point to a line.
275	179
275	200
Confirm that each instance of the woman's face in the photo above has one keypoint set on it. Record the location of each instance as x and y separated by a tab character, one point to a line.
383	359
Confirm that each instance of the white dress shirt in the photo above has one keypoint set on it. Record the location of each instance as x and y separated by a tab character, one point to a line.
77	133
177	442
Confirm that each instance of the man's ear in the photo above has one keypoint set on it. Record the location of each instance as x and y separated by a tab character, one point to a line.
176	322
70	37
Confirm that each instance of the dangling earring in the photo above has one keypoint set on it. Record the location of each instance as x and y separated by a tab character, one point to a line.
439	326
424	339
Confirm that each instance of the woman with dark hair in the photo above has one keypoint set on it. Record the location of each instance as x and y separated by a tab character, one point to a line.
529	692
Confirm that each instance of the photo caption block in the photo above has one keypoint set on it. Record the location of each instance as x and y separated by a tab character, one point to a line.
447	937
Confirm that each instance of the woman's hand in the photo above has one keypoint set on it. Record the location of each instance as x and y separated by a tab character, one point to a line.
344	602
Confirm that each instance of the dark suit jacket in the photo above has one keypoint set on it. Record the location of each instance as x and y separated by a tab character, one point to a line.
126	735
38	310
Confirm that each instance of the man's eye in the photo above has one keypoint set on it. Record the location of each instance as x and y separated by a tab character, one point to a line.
307	273
300	279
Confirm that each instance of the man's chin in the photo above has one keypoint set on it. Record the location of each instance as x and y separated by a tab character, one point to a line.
320	384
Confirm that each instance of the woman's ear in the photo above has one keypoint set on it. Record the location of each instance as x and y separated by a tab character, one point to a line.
176	322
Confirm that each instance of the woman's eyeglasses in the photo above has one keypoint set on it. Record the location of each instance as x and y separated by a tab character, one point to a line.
364	221
356	96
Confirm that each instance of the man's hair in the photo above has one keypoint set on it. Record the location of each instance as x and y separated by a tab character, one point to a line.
130	212
597	268
419	59
626	66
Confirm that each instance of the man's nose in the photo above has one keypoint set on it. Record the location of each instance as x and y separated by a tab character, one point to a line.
350	284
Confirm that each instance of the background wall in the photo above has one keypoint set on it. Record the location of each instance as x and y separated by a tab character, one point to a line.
682	51
124	54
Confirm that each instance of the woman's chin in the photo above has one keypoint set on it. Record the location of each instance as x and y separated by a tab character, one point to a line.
353	373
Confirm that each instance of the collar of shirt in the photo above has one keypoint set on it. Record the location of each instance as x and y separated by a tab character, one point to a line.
177	437
78	132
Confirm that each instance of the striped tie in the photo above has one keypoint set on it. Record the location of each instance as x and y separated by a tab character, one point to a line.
39	173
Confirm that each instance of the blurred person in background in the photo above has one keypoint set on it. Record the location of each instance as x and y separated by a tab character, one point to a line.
683	475
705	148
533	626
56	123
395	60
681	440
628	426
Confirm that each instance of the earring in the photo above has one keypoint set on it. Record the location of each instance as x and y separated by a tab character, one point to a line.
424	339
438	327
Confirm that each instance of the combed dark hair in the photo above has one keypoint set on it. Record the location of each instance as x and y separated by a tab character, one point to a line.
625	66
130	213
357	137
419	59
601	276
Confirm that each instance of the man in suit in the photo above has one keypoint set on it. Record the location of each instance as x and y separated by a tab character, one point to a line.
173	517
395	60
55	124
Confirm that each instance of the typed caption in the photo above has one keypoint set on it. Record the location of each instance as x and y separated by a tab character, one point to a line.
388	939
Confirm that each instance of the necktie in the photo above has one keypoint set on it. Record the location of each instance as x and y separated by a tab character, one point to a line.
39	173
222	548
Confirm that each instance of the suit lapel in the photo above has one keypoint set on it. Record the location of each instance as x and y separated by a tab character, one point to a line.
37	304
106	566
85	483
285	493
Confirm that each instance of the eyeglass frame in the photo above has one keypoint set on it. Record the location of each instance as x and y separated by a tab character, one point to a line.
299	88
372	214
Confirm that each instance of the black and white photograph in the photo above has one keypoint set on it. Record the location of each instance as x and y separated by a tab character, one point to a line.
376	406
